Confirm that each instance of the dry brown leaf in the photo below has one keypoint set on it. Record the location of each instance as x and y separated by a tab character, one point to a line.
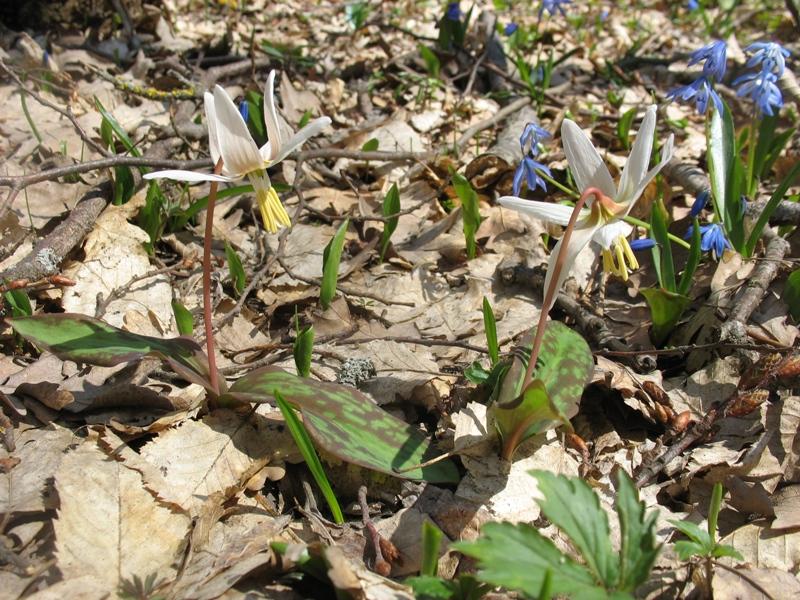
216	455
765	548
786	503
109	526
736	585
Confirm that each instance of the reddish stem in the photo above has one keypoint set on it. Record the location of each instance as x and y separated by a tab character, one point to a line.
213	374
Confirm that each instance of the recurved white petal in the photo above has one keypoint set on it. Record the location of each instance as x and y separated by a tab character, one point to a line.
666	155
236	145
587	166
191	176
271	117
546	211
606	234
639	159
577	242
300	138
211	121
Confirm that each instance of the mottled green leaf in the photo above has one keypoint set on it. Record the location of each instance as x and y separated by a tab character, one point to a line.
349	425
533	414
83	339
330	265
666	309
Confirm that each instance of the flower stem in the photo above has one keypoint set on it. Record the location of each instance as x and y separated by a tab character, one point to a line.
213	374
563	188
674	238
751	159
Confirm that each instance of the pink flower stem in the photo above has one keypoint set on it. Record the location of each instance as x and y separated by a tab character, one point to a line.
213	374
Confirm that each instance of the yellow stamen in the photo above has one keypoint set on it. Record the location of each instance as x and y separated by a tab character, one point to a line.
619	259
273	213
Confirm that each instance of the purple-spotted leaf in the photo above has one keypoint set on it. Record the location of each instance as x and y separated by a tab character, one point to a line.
564	367
348	425
87	340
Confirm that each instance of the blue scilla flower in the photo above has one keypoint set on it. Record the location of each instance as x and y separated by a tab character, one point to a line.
642	244
552	6
712	239
244	109
701	91
768	56
761	87
530	138
699	203
693	5
714	57
510	28
527	171
453	11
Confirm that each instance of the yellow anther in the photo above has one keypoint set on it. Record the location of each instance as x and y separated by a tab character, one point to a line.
619	259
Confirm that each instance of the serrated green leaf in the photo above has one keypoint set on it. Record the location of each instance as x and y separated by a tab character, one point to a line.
183	318
390	208
565	365
302	349
490	327
306	448
517	557
666	309
87	340
571	505
370	145
235	269
638	549
331	257
470	215
347	424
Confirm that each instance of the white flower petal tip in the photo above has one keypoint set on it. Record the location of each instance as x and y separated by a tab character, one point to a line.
190	176
546	211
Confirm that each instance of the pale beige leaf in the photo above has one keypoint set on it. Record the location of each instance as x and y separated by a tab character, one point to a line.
40	452
82	587
729	585
216	455
765	548
786	503
109	526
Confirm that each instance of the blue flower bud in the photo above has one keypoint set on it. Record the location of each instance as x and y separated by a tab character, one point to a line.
700	203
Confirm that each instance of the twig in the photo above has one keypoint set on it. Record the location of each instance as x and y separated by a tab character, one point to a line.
376	155
102	304
501	114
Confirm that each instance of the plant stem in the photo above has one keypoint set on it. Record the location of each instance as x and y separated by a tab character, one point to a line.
563	188
639	223
751	159
213	374
551	291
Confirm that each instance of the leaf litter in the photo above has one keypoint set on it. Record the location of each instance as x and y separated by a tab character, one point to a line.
124	481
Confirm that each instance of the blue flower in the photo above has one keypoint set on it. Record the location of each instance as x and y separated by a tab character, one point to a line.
701	90
769	56
552	6
510	28
715	56
453	11
530	138
527	171
244	109
699	203
642	244
712	239
762	89
693	5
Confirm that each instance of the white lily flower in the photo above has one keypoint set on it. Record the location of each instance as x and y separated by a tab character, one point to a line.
229	139
601	220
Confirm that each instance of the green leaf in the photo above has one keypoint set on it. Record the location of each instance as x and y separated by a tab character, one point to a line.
370	145
255	112
19	302
694	532
666	309
624	128
349	425
518	557
427	587
791	294
713	512
571	505
119	131
330	265
686	550
721	154
470	214
432	64
723	550
183	318
303	346
532	414
658	229
431	539
200	204
310	456
490	327
687	278
235	269
769	208
87	340
638	549
565	365
390	208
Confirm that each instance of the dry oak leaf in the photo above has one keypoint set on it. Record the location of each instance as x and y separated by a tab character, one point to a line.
216	455
109	526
